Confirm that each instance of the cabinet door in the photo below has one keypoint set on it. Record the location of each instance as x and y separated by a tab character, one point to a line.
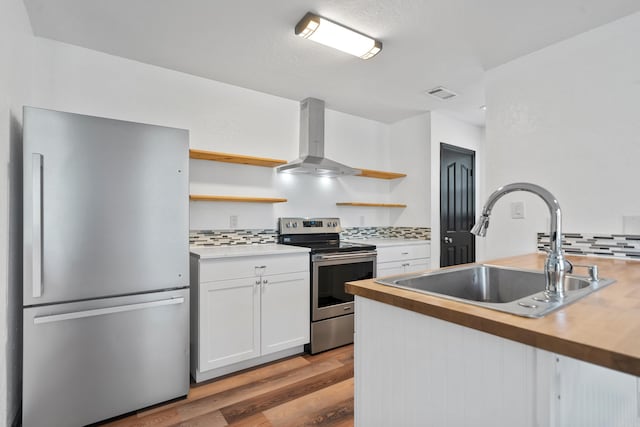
229	322
285	311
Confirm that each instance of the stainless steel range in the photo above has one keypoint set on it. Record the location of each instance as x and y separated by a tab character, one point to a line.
333	262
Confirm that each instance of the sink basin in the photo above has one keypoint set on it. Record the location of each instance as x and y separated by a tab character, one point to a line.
514	291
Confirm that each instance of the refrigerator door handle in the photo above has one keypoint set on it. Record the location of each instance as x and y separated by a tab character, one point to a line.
106	310
36	260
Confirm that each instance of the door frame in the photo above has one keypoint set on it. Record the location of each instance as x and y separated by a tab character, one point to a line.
461	150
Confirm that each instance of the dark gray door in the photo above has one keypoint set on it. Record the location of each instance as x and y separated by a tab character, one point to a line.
457	201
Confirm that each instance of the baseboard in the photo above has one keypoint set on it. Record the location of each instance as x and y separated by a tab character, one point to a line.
225	370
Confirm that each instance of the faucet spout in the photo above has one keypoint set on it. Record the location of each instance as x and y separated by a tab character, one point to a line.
480	227
556	265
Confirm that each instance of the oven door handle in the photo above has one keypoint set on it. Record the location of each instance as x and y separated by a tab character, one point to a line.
345	256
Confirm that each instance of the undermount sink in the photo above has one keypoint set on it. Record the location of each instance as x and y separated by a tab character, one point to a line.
515	291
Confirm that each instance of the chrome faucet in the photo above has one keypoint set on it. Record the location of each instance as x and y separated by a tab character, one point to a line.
556	265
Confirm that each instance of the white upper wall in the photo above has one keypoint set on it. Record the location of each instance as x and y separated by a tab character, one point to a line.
224	118
409	143
567	118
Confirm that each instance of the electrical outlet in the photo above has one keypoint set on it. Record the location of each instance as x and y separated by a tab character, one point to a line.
233	221
517	210
361	220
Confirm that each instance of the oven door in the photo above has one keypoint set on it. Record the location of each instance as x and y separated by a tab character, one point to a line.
330	272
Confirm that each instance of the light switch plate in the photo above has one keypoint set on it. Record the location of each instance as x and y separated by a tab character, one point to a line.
517	210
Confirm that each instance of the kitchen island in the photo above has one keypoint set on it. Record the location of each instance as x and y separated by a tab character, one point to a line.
420	357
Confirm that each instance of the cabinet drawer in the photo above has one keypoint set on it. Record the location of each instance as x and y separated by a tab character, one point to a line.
417	265
242	267
389	269
400	267
399	253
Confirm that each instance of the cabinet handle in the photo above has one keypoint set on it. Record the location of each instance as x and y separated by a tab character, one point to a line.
265	281
107	310
406	264
404	253
36	238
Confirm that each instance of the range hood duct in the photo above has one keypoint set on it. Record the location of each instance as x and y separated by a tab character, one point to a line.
312	160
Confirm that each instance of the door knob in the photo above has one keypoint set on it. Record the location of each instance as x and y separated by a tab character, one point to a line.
448	239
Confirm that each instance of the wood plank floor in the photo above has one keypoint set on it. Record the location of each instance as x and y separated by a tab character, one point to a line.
299	391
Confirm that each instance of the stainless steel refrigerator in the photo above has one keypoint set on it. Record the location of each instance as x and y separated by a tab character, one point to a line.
106	267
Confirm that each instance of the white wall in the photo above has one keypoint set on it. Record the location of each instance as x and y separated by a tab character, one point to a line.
352	140
223	118
567	118
409	142
445	129
15	34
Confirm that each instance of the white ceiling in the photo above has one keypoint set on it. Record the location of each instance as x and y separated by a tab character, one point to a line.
251	43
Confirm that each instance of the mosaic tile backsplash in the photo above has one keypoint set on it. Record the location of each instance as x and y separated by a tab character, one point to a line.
387	232
617	245
200	238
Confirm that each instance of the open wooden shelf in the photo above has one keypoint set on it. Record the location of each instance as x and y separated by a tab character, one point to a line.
376	205
235	158
210	198
370	173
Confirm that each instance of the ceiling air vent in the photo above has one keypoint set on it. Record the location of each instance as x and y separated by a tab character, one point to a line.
441	93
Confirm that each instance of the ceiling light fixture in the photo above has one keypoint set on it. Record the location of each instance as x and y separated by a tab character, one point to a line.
329	33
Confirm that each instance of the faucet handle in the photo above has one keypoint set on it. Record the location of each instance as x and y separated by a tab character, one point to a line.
568	265
592	269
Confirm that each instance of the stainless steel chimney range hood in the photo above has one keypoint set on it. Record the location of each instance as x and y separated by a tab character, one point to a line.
312	160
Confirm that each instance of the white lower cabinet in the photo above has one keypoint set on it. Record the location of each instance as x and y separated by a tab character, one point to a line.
400	259
243	322
229	323
285	312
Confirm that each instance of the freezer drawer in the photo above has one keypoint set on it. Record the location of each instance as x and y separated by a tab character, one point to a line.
92	360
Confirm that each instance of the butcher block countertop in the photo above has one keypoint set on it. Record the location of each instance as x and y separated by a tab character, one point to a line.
602	328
